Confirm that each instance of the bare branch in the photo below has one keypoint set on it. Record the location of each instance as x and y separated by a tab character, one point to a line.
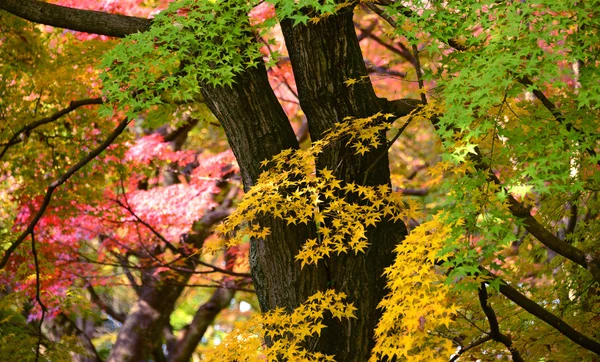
403	51
89	21
64	326
204	317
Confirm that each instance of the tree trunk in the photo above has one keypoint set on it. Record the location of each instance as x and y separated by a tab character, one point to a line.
323	56
141	332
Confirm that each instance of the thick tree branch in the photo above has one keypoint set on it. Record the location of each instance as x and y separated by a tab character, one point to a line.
544	235
552	320
58	182
24	131
88	21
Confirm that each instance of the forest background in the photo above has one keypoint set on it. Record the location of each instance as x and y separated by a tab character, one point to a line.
299	180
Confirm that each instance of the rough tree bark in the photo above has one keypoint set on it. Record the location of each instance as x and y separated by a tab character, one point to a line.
323	56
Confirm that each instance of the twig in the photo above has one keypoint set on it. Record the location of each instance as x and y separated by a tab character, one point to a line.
403	52
556	113
95	298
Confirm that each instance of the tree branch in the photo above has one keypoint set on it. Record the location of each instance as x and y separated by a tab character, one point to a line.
38	297
204	317
470	346
403	51
58	182
544	235
28	128
89	21
495	333
552	320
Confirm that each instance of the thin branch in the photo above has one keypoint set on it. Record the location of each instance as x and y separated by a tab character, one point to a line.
572	220
419	73
37	295
379	11
215	286
16	138
203	318
376	69
470	346
72	329
587	260
413	192
534	227
575	298
168	244
416	170
384	152
124	264
366	31
209	219
470	321
556	113
403	52
89	21
58	182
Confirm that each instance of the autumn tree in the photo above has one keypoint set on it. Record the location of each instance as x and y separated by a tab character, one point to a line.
501	259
